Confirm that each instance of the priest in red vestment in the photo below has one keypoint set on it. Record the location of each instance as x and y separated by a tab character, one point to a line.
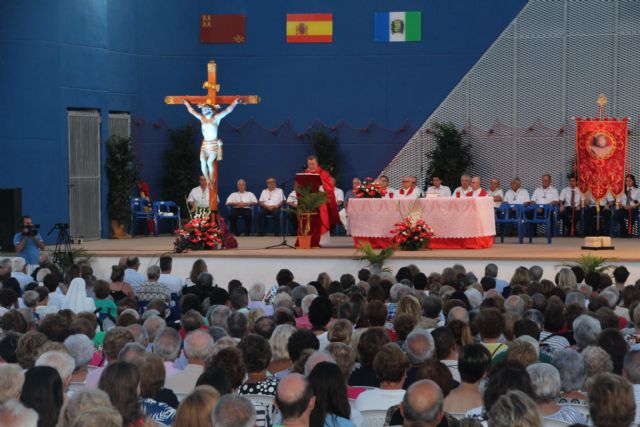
328	213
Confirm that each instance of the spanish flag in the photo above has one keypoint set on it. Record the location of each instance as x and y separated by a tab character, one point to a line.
309	28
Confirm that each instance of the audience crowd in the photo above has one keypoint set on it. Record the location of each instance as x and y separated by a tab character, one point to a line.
416	348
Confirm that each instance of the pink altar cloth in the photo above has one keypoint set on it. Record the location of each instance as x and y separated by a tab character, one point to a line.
456	223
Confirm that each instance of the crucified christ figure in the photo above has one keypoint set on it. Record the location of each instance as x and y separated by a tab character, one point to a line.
211	148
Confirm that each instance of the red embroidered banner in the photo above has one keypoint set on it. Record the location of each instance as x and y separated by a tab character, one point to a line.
601	152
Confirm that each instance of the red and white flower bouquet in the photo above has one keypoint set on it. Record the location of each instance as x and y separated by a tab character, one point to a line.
369	189
412	234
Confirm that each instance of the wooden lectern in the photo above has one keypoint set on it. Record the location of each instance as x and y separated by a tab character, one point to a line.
308	222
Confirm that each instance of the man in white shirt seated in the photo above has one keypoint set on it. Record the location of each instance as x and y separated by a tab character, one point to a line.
629	201
570	203
545	195
437	189
516	195
591	215
339	195
465	187
351	194
271	200
496	192
166	278
390	366
199	196
131	274
292	203
384	184
408	189
240	204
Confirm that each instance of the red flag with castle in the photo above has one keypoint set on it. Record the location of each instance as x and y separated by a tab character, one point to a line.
601	153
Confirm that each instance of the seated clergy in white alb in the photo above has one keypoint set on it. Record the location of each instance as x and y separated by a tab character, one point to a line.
476	189
240	204
271	200
384	184
199	196
437	189
408	190
496	192
516	195
465	187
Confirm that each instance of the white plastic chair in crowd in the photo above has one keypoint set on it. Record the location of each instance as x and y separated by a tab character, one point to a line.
553	423
457	415
260	398
583	409
374	418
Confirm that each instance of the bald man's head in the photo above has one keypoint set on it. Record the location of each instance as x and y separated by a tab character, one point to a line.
423	402
294	397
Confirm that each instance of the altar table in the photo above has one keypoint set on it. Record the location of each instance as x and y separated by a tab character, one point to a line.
467	223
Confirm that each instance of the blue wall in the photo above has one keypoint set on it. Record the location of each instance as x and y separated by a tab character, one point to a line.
123	55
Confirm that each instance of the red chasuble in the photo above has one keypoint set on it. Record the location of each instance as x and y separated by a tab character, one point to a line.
328	213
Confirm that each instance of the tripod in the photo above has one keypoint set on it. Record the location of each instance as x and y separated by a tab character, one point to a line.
62	254
284	243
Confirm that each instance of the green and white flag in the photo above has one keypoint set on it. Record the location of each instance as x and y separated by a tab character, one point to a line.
398	26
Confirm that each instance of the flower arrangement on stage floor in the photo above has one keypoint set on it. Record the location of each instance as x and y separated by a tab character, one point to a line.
205	230
412	233
369	189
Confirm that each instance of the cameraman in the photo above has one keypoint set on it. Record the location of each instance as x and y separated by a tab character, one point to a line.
28	242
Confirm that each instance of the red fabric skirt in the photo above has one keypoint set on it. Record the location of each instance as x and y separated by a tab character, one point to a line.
436	243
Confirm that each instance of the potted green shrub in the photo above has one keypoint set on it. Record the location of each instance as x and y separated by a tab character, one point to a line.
121	176
308	204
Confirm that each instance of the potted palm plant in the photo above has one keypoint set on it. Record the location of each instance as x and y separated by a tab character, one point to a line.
308	204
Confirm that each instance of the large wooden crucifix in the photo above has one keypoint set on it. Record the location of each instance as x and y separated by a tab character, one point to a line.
210	123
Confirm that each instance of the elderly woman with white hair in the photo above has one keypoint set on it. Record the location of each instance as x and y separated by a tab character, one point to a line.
514	409
256	299
11	381
586	330
303	322
81	348
280	364
545	380
573	374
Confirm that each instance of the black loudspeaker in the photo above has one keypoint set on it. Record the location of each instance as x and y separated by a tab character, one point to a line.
10	213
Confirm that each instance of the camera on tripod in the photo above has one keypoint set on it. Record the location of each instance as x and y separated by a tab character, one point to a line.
30	230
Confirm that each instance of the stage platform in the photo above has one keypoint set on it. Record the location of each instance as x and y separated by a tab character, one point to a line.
251	261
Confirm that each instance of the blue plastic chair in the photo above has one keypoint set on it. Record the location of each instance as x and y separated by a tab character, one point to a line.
510	214
165	211
253	219
269	217
140	213
545	218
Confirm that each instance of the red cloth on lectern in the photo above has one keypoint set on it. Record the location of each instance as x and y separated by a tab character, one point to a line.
328	213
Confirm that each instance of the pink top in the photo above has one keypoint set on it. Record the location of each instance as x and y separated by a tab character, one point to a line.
303	322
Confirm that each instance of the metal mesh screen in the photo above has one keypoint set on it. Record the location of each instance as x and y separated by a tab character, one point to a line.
84	173
517	102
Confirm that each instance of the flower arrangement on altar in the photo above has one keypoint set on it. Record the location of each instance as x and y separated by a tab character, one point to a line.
412	233
369	189
201	232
